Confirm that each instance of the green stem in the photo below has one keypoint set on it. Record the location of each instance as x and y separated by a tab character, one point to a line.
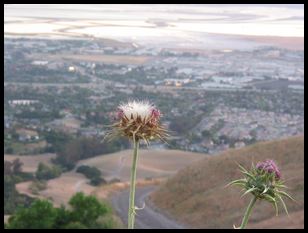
131	209
248	211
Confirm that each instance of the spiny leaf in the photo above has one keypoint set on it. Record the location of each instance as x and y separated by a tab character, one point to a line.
236	181
242	168
234	227
286	195
241	185
284	204
265	189
269	198
249	175
280	186
276	207
253	165
249	190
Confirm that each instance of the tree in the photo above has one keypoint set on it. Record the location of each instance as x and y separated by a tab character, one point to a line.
40	215
82	148
206	133
9	150
63	217
12	168
57	139
86	213
89	172
17	166
98	181
45	172
92	173
86	209
7	168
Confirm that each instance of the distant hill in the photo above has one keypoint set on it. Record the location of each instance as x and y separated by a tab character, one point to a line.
204	202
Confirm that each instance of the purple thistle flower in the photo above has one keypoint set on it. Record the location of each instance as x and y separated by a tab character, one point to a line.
269	166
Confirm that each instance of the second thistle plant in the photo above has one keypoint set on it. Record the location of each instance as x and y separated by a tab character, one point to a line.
137	120
263	181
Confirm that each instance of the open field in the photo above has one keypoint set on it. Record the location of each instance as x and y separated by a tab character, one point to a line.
61	189
30	162
153	166
205	202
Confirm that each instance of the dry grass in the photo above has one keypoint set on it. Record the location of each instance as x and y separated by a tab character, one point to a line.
206	203
25	188
151	164
294	221
59	190
30	162
105	191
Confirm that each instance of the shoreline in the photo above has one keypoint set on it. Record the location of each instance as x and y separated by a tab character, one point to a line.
290	43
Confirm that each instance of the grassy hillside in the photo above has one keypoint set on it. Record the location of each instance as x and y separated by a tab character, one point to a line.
204	202
151	163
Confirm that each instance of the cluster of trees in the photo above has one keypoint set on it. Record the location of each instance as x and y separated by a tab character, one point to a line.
57	140
92	173
13	174
14	167
37	185
85	212
183	124
83	148
12	199
70	150
45	172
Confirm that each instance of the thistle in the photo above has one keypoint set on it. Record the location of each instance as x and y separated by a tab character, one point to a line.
263	181
137	120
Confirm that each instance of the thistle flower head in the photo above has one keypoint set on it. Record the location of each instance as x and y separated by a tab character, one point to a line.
264	182
135	110
139	120
269	166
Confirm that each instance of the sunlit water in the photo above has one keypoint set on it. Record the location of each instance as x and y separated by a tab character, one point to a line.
162	25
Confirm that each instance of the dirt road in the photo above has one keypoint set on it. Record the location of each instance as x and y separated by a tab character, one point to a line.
147	218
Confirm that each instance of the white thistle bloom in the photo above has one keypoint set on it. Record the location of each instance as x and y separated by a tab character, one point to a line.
134	109
139	120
